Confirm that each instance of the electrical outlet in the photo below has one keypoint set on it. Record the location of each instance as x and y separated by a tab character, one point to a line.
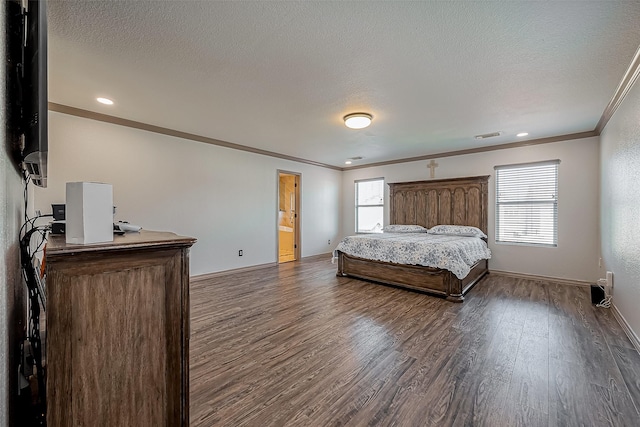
600	263
38	212
610	279
240	252
329	242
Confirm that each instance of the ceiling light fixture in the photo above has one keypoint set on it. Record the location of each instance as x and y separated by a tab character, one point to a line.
348	162
522	134
357	120
105	101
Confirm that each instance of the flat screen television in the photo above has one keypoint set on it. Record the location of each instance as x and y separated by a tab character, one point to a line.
36	141
28	84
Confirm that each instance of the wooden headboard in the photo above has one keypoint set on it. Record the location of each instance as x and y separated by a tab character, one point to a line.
457	201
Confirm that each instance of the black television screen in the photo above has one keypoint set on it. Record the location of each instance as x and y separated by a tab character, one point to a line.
14	76
34	93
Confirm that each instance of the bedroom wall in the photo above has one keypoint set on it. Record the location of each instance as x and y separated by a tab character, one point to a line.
11	290
620	206
575	257
226	198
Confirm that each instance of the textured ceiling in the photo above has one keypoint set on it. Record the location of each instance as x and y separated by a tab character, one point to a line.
280	75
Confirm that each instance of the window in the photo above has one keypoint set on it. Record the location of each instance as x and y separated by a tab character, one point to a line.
369	205
527	203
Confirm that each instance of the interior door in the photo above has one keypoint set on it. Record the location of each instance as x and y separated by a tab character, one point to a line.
288	216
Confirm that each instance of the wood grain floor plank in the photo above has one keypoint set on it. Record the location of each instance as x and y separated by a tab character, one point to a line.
572	342
576	401
612	330
294	345
628	360
500	358
568	390
563	300
481	403
517	415
529	385
536	309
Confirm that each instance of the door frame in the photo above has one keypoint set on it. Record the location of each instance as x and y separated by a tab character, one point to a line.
297	249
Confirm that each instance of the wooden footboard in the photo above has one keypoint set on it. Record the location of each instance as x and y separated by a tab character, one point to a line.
432	280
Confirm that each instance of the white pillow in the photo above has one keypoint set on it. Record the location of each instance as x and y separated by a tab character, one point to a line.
402	228
457	230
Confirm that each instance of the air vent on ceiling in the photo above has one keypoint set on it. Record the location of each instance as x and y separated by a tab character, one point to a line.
487	135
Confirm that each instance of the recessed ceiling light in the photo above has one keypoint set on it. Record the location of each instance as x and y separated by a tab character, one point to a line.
348	162
105	101
523	134
357	120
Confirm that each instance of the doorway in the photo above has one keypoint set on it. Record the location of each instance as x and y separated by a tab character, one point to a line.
288	227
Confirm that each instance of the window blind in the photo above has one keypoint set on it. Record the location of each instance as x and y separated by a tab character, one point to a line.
369	205
527	203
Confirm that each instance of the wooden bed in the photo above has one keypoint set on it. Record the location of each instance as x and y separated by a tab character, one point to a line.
457	201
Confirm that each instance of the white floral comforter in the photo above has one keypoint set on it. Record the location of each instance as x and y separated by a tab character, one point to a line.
454	253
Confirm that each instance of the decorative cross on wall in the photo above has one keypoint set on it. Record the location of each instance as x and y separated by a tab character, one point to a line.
432	168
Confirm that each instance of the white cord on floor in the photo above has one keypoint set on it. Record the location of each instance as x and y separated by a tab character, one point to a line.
606	302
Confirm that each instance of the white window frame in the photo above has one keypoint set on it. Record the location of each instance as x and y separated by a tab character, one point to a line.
524	200
356	182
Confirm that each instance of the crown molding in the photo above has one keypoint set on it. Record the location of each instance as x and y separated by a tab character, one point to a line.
92	115
517	144
629	78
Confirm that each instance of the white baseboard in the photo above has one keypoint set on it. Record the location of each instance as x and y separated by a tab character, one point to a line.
626	327
570	282
327	255
207	276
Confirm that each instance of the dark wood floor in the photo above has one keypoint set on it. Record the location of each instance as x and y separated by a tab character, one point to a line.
296	345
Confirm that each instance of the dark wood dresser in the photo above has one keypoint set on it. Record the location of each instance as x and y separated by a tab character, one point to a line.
118	331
